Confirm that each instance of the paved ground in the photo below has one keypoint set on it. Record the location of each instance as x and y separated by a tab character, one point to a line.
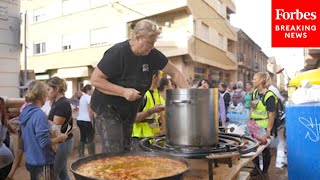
277	170
273	174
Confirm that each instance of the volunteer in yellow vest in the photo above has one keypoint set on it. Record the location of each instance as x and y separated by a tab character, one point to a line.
263	114
164	84
147	122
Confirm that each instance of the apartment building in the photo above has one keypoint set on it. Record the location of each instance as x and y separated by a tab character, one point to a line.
68	37
9	48
251	59
273	70
282	78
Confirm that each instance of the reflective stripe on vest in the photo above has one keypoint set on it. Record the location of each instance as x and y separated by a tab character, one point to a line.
152	100
260	112
263	123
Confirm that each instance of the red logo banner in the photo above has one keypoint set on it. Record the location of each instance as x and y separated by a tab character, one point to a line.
295	23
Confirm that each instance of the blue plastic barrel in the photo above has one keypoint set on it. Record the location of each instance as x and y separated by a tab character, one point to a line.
303	141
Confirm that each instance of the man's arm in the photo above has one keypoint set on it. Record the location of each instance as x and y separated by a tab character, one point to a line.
176	75
162	119
144	114
91	115
271	108
270	123
100	81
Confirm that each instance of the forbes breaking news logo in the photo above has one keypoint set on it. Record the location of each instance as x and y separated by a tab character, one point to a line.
295	31
294	25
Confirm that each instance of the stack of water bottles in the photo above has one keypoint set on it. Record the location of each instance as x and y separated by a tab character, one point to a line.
238	114
238	117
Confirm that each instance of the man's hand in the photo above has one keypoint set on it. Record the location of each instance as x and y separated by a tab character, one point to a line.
268	133
131	94
254	103
157	108
62	137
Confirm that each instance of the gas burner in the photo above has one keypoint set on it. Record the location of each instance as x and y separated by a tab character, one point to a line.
228	143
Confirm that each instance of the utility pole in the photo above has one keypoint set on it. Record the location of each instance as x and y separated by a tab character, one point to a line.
25	76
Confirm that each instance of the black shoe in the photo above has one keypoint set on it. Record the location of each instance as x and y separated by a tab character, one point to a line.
265	176
264	171
254	172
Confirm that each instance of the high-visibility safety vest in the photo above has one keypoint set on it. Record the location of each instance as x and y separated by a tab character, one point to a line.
260	113
144	129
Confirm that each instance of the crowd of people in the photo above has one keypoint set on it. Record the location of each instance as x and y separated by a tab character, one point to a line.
126	102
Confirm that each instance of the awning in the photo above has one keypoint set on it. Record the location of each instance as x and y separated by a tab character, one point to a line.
312	75
75	72
42	76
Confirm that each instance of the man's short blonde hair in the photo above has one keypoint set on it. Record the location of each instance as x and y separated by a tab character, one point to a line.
146	28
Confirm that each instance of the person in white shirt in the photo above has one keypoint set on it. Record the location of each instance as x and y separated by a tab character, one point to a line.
46	107
84	122
276	92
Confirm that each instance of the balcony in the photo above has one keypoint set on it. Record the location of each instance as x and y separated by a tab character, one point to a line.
173	42
209	54
232	56
312	59
231	5
314	51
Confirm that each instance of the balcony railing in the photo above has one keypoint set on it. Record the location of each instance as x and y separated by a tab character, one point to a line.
177	38
232	56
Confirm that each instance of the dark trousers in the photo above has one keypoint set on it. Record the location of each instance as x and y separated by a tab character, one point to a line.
86	131
266	155
4	172
40	172
136	145
115	132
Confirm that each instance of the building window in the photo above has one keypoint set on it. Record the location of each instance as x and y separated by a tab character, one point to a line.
199	73
215	77
205	30
104	36
39	15
220	8
66	42
226	78
98	37
39	48
66	47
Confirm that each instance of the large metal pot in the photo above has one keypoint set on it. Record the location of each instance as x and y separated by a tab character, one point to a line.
81	161
192	117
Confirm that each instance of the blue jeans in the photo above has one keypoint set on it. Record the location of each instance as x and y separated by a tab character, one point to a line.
40	172
64	150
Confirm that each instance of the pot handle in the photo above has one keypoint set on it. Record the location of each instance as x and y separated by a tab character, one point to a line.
181	101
